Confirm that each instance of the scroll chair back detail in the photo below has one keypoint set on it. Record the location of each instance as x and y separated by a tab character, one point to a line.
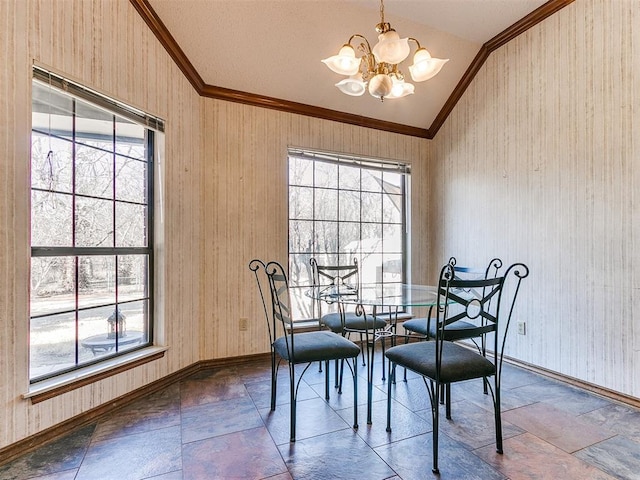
442	362
297	348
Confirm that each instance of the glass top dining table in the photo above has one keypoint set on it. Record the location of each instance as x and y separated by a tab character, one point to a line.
382	301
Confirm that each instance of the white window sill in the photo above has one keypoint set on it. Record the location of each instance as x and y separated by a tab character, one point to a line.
69	381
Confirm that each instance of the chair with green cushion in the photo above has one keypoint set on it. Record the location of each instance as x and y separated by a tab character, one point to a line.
297	348
442	362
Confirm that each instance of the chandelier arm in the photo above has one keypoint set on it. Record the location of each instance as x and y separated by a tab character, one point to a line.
417	42
366	42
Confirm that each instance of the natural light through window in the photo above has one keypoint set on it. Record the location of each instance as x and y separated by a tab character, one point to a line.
343	207
91	228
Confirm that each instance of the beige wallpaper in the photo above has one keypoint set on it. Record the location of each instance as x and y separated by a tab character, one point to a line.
540	162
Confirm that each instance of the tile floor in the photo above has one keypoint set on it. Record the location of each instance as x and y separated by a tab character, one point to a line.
217	425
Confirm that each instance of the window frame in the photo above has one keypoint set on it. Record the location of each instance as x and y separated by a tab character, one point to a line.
151	125
363	163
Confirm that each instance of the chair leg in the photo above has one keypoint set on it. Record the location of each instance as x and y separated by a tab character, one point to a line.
341	376
355	393
362	352
326	380
383	362
389	403
497	413
447	395
292	385
435	425
274	382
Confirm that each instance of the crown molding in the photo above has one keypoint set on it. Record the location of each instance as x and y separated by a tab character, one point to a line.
210	91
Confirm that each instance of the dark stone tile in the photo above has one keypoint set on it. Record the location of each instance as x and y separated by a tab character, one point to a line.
413	394
620	419
617	456
314	417
412	459
55	457
340	455
404	423
250	454
526	457
160	410
219	418
133	457
176	475
514	377
563	396
472	426
211	386
555	426
260	392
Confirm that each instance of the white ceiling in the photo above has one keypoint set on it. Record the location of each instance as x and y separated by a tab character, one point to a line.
273	48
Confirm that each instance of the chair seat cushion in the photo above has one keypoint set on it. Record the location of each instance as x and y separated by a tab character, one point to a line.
315	346
352	322
454	331
458	363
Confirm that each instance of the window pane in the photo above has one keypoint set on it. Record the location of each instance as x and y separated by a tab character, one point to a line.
300	269
300	202
131	223
94	172
392	235
326	236
130	139
51	344
132	277
51	163
94	222
349	237
349	205
392	210
300	236
349	177
94	126
326	204
131	180
52	285
371	207
372	180
371	238
51	219
96	281
326	175
300	172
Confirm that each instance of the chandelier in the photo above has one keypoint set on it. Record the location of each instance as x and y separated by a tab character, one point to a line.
379	66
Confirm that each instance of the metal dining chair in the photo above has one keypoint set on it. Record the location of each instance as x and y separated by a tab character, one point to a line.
302	348
442	362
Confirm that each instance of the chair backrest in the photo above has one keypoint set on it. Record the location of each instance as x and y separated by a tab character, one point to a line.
326	277
476	299
277	305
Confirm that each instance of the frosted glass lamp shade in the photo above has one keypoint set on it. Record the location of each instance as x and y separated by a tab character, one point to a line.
401	89
380	86
353	85
391	48
345	63
425	66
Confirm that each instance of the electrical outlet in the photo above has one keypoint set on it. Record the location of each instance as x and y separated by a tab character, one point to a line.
243	324
522	328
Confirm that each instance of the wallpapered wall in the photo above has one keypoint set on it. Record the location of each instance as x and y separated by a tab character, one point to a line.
540	162
224	194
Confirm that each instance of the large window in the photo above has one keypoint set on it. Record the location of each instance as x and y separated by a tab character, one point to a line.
91	227
341	207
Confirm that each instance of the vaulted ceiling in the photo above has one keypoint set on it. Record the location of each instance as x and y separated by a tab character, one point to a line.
268	52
